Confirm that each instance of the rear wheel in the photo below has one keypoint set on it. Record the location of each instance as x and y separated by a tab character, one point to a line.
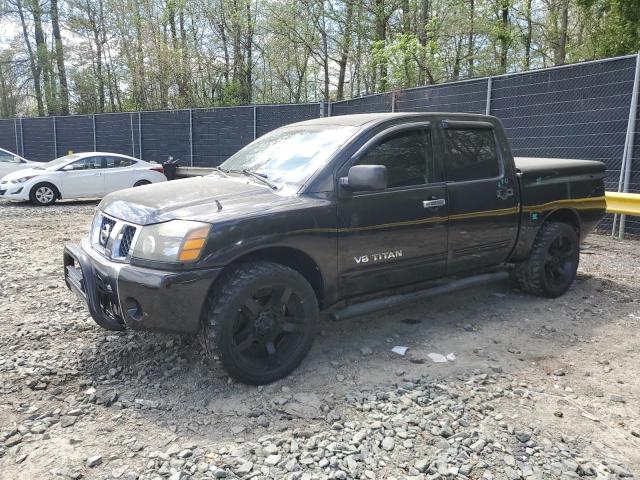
139	183
261	322
551	268
43	194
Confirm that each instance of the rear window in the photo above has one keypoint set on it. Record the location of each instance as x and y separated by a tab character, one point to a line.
470	154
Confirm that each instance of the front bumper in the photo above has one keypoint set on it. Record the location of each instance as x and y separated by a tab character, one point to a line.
11	191
120	295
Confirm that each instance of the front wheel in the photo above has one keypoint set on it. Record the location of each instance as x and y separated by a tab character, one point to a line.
552	265
261	321
43	194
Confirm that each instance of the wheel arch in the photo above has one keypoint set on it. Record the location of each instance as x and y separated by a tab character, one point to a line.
292	258
565	215
529	230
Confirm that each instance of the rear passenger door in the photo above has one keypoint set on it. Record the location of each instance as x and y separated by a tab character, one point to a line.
119	174
482	197
398	235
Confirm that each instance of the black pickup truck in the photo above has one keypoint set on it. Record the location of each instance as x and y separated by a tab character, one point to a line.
324	214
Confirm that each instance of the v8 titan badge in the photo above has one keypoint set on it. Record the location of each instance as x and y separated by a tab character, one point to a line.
378	257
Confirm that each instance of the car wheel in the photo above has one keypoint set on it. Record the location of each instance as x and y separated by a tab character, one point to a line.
43	194
261	321
139	183
552	265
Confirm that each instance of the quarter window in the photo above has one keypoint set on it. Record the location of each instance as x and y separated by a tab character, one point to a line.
407	156
470	154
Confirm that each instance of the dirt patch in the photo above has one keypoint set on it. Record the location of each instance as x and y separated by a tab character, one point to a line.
535	388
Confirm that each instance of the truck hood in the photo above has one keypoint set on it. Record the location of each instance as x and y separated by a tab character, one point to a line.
204	199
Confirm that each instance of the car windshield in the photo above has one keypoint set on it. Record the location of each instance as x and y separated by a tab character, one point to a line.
291	154
57	162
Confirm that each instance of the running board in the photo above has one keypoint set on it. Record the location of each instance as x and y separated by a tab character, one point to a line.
385	303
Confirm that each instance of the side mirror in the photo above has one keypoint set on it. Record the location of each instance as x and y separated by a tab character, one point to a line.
366	178
67	168
17	159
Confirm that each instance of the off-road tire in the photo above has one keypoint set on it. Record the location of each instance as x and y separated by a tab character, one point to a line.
226	308
533	276
139	183
43	194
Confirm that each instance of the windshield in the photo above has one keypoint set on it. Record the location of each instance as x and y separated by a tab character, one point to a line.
291	154
57	162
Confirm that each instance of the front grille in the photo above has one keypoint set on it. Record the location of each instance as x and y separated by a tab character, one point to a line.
106	227
113	238
125	243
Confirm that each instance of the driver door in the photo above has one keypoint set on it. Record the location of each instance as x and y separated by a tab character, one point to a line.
84	178
396	236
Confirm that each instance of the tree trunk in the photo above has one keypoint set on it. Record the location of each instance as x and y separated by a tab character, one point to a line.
504	35
527	40
381	38
346	46
42	55
423	38
249	55
62	73
36	71
471	39
560	55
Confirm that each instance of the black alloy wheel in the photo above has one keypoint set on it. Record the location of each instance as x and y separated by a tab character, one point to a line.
261	322
552	265
559	262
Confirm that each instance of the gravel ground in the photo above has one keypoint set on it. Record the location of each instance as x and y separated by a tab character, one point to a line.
532	388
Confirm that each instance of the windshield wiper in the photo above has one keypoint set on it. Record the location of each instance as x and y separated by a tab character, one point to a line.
259	176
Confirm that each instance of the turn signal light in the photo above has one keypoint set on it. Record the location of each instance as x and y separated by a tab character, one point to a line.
193	245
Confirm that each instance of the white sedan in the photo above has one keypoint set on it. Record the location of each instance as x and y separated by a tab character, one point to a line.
80	175
10	162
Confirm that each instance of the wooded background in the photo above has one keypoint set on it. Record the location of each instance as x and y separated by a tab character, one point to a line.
84	56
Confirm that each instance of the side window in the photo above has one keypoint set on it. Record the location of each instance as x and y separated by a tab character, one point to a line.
470	154
116	162
6	157
407	156
88	163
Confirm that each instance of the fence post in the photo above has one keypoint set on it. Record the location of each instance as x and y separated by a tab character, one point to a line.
21	137
255	122
95	145
15	130
139	136
55	139
191	136
487	107
322	109
328	107
133	143
393	101
625	171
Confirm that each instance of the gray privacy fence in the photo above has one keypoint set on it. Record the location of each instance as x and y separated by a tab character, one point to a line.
582	110
195	137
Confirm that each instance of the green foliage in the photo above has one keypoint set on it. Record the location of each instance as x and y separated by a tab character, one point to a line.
144	54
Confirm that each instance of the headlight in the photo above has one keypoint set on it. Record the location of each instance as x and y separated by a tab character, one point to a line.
174	241
23	179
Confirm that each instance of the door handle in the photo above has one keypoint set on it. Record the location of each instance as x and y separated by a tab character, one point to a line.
438	202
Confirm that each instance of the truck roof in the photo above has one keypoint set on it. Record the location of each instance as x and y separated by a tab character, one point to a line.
360	119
